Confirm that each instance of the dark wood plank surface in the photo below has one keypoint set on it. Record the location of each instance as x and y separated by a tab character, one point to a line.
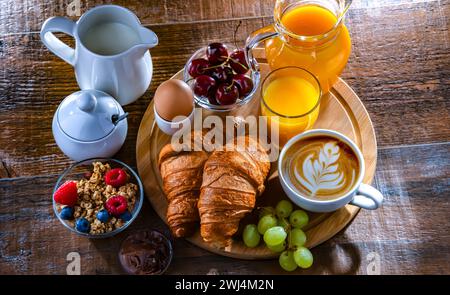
410	232
400	67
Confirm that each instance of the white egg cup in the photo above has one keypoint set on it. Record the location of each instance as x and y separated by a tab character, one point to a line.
170	127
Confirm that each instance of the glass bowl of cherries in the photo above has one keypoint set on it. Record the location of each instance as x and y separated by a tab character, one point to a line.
221	79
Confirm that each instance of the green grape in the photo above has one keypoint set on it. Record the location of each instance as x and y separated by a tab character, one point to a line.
251	236
287	261
299	218
303	257
284	223
266	211
284	208
275	236
297	237
278	248
266	222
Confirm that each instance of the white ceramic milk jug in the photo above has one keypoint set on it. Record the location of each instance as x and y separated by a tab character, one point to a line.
111	50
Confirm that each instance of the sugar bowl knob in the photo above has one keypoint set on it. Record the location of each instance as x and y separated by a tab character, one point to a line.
86	102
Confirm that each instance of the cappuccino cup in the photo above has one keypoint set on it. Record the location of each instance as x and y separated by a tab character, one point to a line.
322	170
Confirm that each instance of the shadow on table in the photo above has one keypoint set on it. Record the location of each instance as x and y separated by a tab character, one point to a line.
342	258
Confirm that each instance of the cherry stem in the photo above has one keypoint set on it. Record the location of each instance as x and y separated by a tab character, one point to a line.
229	87
242	65
225	62
235	32
219	65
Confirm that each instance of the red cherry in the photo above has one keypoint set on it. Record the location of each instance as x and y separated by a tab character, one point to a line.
227	94
244	83
198	67
238	62
222	74
216	53
212	98
204	86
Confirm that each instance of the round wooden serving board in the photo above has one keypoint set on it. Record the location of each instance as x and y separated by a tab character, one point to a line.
341	110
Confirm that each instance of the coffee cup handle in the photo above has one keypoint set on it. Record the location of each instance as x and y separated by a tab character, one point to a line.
367	197
58	24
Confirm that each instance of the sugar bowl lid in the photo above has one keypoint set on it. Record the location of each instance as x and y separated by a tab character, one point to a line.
88	115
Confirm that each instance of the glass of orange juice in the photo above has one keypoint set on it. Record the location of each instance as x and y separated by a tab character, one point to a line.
307	34
291	101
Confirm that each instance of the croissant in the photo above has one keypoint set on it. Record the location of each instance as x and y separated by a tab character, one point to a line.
181	174
231	182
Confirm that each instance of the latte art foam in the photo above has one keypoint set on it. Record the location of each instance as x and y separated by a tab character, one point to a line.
321	168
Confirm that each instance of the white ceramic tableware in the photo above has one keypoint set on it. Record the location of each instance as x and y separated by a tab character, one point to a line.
169	127
111	50
361	195
89	124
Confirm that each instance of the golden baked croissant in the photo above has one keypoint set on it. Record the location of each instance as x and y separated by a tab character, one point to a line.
181	173
231	182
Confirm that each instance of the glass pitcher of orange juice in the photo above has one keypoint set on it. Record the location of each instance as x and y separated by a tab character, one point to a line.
309	34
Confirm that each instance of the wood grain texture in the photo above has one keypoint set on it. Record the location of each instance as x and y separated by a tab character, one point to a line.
402	86
149	12
152	12
410	232
399	67
341	111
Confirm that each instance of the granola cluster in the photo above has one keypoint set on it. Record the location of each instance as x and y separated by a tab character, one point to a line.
93	193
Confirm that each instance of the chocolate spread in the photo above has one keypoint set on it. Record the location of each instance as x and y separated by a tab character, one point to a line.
146	252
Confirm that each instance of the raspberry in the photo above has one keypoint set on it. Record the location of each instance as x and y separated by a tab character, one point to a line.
116	205
67	194
116	177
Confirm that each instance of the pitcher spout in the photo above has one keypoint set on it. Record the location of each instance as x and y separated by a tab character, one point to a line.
148	38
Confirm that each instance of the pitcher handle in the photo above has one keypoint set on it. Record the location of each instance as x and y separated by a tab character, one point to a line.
253	40
58	24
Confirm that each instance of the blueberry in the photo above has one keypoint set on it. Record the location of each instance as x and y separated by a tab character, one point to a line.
125	216
103	215
83	225
66	213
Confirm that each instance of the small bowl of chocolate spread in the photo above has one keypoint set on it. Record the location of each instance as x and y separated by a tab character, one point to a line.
146	252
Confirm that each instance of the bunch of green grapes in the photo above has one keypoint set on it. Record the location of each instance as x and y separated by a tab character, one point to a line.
281	230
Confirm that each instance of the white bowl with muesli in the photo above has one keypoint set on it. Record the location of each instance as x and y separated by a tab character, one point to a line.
98	198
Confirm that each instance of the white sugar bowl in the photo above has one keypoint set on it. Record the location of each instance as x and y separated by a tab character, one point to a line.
89	124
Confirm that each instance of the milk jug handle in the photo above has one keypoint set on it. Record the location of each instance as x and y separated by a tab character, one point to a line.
253	40
58	24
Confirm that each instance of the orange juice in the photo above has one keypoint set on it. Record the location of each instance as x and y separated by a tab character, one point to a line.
291	96
290	100
325	54
309	20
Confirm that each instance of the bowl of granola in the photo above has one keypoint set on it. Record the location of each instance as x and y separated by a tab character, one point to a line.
98	198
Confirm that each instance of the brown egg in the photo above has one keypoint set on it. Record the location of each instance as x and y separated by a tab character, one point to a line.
173	98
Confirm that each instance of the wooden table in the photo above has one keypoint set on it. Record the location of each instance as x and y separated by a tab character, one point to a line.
400	67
